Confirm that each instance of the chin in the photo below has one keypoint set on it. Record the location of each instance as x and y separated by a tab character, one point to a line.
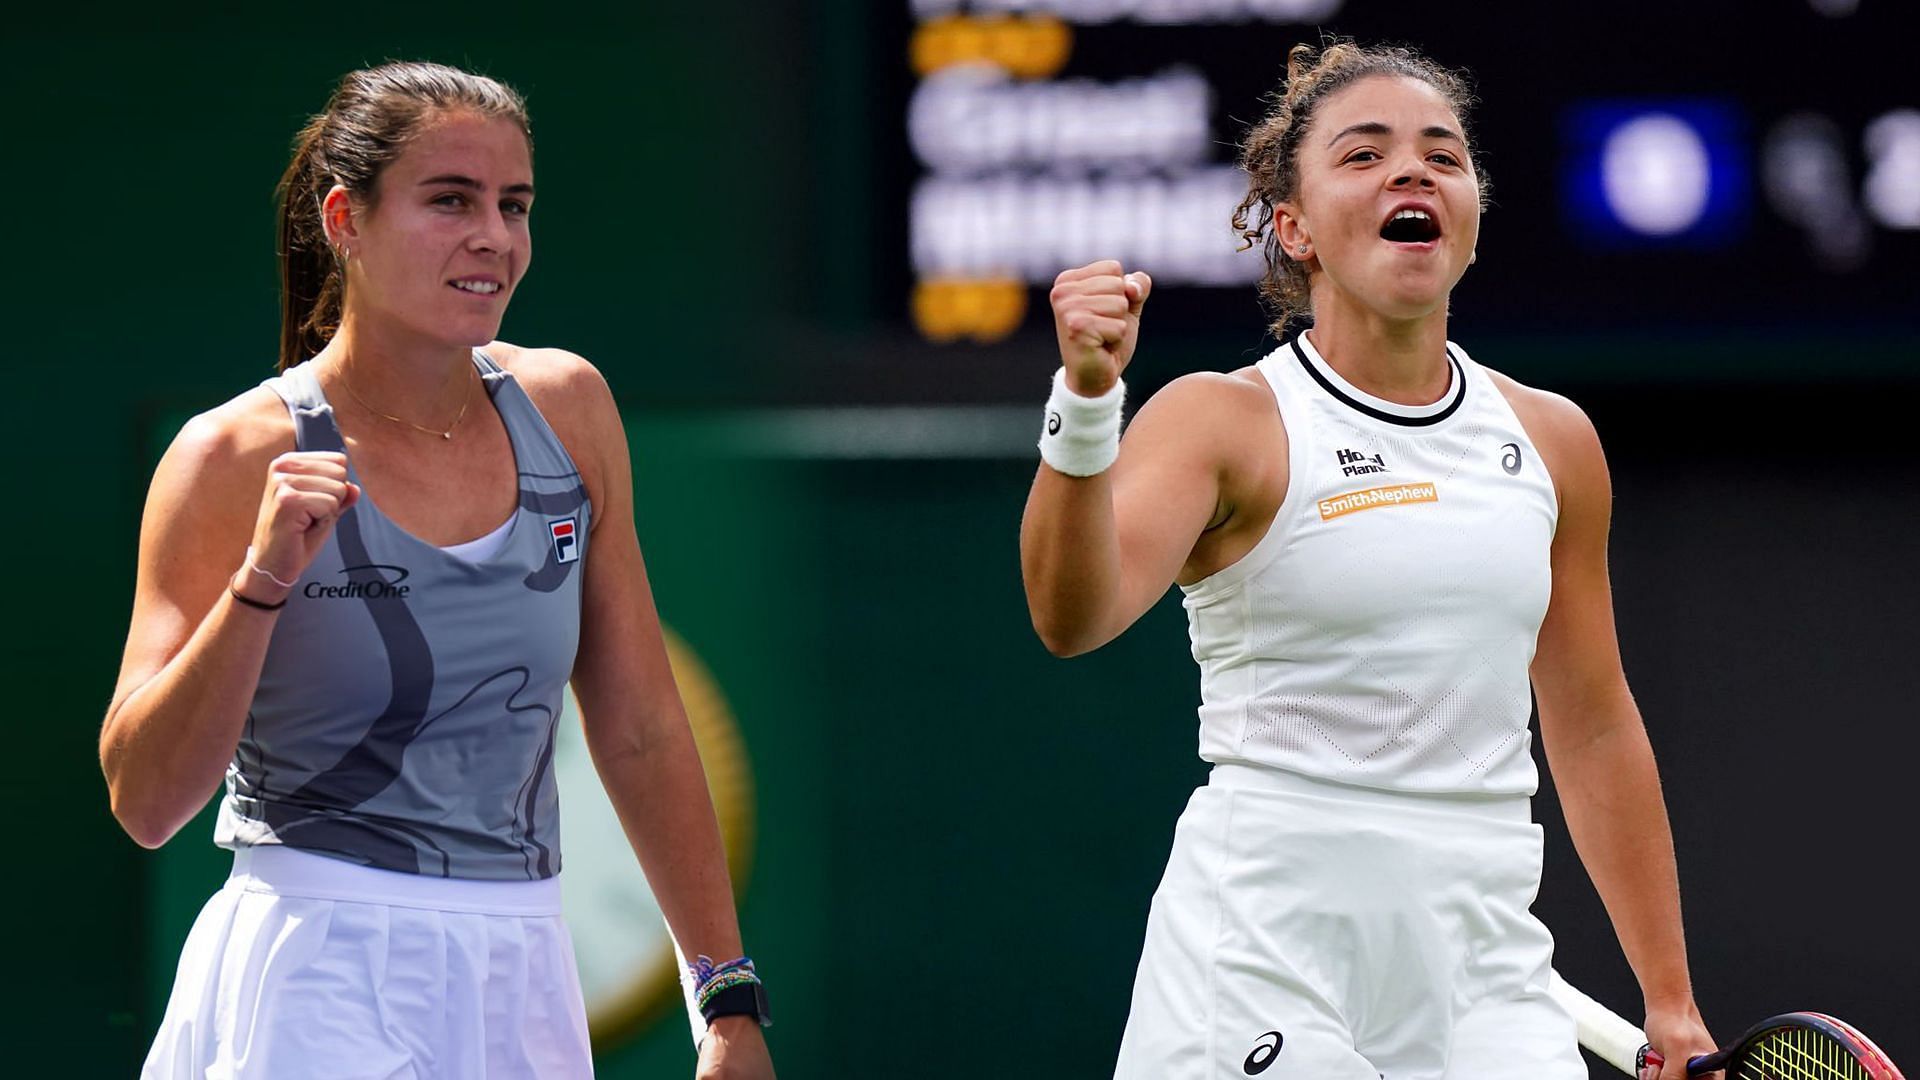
1410	308
1415	300
466	333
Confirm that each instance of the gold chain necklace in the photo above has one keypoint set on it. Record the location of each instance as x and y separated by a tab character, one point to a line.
447	434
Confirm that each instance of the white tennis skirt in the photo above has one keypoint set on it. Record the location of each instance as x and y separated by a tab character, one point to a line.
303	966
1308	930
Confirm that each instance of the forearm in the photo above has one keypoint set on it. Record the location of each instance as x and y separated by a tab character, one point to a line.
166	744
660	792
1070	560
1610	792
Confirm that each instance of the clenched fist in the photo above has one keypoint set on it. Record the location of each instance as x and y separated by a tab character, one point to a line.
306	492
1096	315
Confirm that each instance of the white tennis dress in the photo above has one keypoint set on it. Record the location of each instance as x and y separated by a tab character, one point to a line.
1347	898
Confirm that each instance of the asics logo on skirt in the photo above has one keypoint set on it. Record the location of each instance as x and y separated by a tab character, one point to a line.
1263	1054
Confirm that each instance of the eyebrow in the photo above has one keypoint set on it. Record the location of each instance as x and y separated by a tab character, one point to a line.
456	180
1375	127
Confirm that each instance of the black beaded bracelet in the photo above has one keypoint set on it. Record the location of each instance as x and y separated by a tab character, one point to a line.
747	999
252	603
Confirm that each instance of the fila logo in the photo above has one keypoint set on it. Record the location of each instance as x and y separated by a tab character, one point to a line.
566	541
1263	1054
1357	463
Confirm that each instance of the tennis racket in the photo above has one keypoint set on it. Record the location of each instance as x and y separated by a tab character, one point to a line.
1791	1046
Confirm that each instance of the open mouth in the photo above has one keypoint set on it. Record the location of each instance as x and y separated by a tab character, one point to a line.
1410	227
478	288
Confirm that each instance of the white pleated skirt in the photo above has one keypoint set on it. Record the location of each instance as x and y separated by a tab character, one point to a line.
1308	930
303	966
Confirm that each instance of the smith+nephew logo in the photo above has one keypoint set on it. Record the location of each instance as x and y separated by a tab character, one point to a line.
386	586
1353	502
566	539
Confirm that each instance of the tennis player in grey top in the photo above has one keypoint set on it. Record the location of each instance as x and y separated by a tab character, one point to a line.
312	618
405	708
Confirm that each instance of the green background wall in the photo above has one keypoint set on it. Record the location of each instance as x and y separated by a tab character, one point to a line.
957	835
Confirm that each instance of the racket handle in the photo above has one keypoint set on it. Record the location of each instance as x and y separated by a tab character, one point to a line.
1653	1059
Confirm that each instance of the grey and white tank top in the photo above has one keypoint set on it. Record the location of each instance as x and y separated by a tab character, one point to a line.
405	713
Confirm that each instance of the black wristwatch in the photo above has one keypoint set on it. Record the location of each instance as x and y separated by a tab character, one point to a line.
747	999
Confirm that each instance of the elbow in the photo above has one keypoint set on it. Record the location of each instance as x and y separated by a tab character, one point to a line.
148	809
1066	626
1063	641
1064	648
147	825
145	828
151	839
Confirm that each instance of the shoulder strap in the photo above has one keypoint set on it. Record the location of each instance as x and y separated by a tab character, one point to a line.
313	426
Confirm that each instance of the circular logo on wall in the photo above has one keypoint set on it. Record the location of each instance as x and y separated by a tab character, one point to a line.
628	970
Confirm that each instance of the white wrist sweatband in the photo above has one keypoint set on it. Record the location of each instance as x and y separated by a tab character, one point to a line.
1082	434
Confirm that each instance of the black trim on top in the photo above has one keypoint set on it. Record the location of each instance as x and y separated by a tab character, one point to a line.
1459	381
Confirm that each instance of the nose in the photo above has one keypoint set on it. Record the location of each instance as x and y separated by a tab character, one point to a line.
491	234
1414	171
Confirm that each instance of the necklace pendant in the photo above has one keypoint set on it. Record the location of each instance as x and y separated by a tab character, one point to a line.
447	435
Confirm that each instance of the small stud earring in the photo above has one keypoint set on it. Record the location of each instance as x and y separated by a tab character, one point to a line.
1301	250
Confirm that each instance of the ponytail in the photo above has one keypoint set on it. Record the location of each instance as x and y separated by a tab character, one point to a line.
310	275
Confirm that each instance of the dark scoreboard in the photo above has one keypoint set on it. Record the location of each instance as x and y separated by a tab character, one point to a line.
1655	166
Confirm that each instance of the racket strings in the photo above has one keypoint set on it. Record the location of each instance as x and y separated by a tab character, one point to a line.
1798	1054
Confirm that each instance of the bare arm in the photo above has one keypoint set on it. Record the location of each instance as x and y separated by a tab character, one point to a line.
1596	742
636	725
193	652
1097	551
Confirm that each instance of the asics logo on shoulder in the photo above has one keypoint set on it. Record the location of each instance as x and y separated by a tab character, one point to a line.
1510	460
386	586
1263	1054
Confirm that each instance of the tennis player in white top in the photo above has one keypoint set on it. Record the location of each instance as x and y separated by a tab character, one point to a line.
1381	545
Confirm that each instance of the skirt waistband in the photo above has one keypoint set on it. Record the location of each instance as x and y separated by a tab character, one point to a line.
1242	777
285	871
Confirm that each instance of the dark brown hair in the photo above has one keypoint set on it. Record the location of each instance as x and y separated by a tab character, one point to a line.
1270	154
368	121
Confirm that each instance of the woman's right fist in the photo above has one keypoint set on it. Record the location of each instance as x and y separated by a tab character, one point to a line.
306	493
1096	316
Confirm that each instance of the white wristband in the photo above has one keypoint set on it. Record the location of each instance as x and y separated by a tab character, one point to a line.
1082	434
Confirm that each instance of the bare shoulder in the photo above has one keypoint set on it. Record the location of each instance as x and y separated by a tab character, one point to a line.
1202	400
206	490
555	378
1240	389
1208	414
1554	415
1561	432
570	392
231	443
578	404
